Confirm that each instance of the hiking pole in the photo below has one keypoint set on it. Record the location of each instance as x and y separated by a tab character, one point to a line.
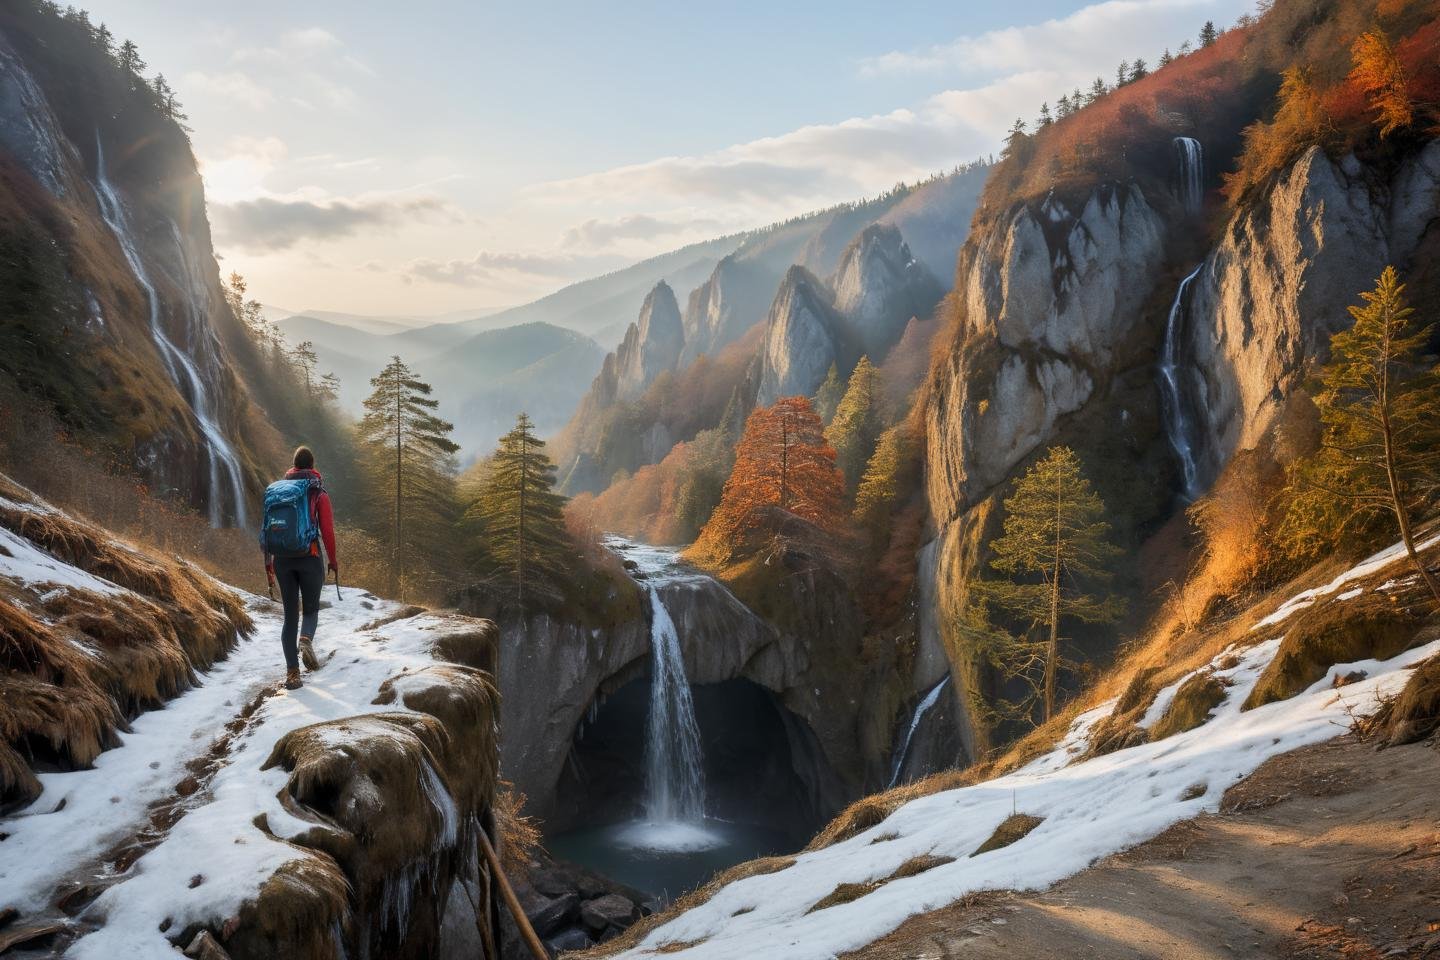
337	585
522	923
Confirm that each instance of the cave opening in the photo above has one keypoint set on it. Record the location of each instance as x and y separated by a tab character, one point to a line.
762	767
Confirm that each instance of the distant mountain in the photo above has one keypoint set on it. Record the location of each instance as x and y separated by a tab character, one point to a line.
482	380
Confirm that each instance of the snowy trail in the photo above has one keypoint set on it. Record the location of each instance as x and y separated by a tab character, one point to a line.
1089	810
68	835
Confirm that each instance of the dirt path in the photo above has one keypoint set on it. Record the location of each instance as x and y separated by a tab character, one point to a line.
1332	851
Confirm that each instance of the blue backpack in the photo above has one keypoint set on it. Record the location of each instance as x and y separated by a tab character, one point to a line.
288	527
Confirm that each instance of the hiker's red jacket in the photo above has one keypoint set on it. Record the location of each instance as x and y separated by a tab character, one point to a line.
324	519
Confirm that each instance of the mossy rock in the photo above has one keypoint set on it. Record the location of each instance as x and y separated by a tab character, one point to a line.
1016	827
1375	625
1191	707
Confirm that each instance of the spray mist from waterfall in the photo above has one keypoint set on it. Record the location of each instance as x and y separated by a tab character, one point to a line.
178	364
1180	427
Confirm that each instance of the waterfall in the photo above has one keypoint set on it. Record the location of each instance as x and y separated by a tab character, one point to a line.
674	779
922	708
1179	427
178	364
1192	173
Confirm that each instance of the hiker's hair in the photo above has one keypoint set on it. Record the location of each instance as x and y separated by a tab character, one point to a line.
304	459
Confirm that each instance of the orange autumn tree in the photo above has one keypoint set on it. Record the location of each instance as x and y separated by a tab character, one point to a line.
782	466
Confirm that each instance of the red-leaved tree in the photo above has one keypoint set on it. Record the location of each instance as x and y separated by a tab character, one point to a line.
782	462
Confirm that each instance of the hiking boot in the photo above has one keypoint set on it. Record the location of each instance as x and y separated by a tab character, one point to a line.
292	680
307	655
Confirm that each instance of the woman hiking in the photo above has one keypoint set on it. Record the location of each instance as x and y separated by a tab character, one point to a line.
297	520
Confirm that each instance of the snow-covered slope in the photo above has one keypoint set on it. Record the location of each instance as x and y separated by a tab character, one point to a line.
207	803
1087	809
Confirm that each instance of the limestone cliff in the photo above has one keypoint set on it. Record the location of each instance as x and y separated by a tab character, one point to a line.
1277	286
651	345
880	285
804	335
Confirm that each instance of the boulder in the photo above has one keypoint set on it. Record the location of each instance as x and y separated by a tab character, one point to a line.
611	910
572	939
553	913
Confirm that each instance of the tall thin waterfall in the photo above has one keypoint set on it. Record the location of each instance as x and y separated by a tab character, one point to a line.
180	366
674	778
922	708
1192	173
1179	427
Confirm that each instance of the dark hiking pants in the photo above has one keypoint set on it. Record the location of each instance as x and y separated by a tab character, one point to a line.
300	581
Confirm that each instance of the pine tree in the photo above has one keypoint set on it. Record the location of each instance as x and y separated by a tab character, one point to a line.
784	463
409	458
1167	58
1380	451
1122	74
1017	143
886	477
1055	529
1138	69
1379	73
305	360
857	422
1185	48
520	517
128	59
827	398
1062	107
1045	118
1097	90
329	388
1208	33
105	40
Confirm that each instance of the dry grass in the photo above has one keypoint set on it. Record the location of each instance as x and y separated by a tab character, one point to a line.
1191	707
1013	829
1410	716
78	664
1376	624
848	892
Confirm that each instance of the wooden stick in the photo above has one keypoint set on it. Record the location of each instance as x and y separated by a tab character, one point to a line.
522	922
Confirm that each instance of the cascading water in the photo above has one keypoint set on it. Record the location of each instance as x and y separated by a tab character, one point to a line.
921	709
178	364
1179	426
1192	173
674	778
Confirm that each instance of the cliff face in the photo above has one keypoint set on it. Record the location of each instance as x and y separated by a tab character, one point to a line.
1048	298
651	345
880	285
804	335
1275	289
1063	312
115	314
726	305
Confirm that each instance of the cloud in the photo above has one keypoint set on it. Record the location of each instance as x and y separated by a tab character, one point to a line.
489	266
1010	72
268	224
596	234
1099	33
232	86
821	163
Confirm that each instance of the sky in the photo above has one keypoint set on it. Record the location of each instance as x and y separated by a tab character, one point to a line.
446	156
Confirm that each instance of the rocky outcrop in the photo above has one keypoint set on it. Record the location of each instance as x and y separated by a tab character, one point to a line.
879	286
1277	287
1048	300
651	345
725	306
804	335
